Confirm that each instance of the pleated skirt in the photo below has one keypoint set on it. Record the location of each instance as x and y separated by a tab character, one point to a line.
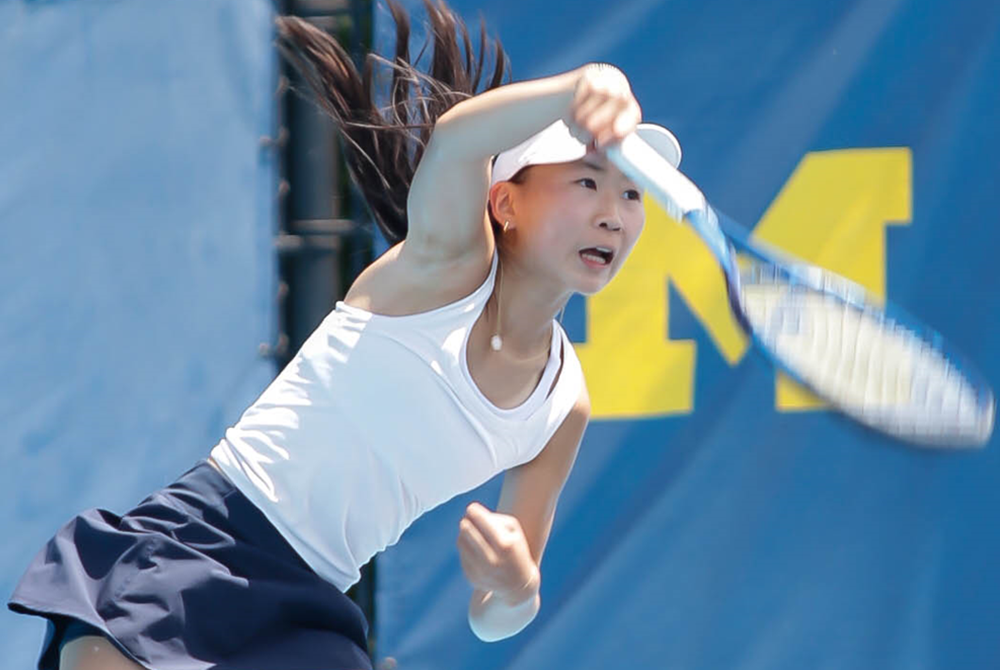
194	577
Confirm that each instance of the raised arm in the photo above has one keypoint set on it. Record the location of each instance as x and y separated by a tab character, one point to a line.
447	199
445	196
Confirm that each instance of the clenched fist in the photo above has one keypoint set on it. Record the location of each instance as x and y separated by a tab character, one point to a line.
495	555
603	110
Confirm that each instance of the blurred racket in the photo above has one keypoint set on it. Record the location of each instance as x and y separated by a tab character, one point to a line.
869	359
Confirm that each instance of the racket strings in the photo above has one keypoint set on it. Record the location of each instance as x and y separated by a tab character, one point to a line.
880	372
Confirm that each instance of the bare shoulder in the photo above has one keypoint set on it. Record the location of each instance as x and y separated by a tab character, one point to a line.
579	416
405	280
562	447
582	406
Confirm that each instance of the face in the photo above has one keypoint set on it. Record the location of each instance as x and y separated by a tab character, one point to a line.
574	223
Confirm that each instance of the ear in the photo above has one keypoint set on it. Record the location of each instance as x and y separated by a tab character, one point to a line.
502	199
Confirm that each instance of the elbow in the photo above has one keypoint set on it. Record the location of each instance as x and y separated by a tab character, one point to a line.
442	141
459	135
452	115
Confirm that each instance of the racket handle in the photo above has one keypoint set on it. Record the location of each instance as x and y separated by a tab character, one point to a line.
677	194
642	164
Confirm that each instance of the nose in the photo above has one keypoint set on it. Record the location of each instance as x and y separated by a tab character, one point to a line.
609	215
610	224
609	218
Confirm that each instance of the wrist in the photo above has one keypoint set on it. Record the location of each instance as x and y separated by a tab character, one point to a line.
528	591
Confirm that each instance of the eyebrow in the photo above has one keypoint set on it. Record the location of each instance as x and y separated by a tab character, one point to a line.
600	168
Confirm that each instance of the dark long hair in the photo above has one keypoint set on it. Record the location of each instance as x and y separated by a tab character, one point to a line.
383	146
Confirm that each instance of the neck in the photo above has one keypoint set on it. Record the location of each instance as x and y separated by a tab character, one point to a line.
526	309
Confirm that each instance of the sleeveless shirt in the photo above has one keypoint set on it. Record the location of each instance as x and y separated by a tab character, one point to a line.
377	420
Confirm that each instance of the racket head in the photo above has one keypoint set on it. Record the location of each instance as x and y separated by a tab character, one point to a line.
871	360
914	387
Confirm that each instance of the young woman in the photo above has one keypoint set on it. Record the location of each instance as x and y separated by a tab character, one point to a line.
443	366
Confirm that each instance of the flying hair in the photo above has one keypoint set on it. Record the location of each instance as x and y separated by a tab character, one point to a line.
383	145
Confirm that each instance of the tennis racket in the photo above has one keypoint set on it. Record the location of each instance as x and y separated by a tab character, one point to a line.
870	360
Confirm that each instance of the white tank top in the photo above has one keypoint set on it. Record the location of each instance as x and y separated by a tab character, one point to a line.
377	420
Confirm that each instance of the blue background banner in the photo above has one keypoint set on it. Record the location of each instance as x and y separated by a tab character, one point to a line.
138	212
716	517
714	520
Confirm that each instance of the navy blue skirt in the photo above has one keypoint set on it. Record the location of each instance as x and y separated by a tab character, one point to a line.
194	577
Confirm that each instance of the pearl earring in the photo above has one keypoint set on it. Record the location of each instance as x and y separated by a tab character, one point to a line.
496	342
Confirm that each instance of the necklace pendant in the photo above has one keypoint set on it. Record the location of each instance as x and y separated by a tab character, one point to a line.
496	343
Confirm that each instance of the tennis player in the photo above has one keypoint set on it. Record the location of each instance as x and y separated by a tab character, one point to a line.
443	366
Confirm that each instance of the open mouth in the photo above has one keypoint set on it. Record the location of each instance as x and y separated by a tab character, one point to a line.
597	256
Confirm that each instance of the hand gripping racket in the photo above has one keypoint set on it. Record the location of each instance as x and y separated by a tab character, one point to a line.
870	360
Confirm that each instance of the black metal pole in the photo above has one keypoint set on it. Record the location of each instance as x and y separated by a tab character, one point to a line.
321	246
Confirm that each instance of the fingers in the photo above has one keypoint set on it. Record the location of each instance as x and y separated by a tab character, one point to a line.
498	530
608	120
495	555
596	116
625	122
470	536
603	109
474	552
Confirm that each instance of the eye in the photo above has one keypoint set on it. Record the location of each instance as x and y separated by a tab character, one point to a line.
632	194
588	180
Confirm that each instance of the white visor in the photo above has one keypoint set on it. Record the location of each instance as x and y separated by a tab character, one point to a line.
555	144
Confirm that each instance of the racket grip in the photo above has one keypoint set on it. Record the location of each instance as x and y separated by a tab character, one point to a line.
642	164
677	194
